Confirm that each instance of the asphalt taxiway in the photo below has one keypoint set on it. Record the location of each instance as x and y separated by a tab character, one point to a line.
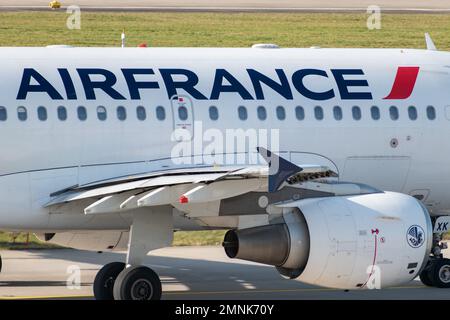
186	273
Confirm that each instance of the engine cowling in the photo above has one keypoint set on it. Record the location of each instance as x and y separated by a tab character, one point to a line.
375	240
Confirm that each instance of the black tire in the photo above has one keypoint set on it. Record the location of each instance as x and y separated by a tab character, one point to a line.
137	283
104	280
425	277
440	273
1	264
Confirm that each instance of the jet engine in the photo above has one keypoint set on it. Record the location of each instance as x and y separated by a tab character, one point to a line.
363	241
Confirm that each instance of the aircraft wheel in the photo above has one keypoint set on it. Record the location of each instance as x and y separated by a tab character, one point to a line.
1	264
440	273
104	280
425	277
137	283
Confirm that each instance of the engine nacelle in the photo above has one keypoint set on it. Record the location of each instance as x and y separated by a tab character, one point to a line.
375	240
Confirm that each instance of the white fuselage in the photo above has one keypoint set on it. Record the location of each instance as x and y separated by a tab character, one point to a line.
39	157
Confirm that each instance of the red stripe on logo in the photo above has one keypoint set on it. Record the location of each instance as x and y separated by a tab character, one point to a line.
404	83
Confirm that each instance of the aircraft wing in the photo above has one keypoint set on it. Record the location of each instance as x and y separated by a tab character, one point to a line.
186	187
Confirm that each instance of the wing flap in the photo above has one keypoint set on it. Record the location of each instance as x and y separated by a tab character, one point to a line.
192	187
222	190
140	185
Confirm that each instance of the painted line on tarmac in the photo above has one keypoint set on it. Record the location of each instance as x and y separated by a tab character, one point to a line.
205	292
273	291
244	291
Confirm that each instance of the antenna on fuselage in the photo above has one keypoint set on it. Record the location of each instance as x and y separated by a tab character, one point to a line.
123	38
429	42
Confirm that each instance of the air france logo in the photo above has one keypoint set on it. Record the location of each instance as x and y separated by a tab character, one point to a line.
249	84
415	236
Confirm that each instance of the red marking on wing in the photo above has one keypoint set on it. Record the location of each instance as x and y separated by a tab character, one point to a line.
404	83
184	199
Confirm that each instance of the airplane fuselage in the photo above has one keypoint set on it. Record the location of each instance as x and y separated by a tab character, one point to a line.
78	115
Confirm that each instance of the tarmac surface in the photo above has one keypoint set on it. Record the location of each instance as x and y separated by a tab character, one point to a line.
189	273
236	5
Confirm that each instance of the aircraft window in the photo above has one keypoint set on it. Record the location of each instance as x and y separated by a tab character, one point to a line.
299	113
160	113
281	113
121	113
101	113
431	113
412	113
82	113
262	113
3	114
182	113
42	113
213	113
62	113
318	113
393	112
375	113
22	113
141	113
242	111
337	112
356	113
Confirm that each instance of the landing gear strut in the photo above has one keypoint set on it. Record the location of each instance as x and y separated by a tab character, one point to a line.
131	280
